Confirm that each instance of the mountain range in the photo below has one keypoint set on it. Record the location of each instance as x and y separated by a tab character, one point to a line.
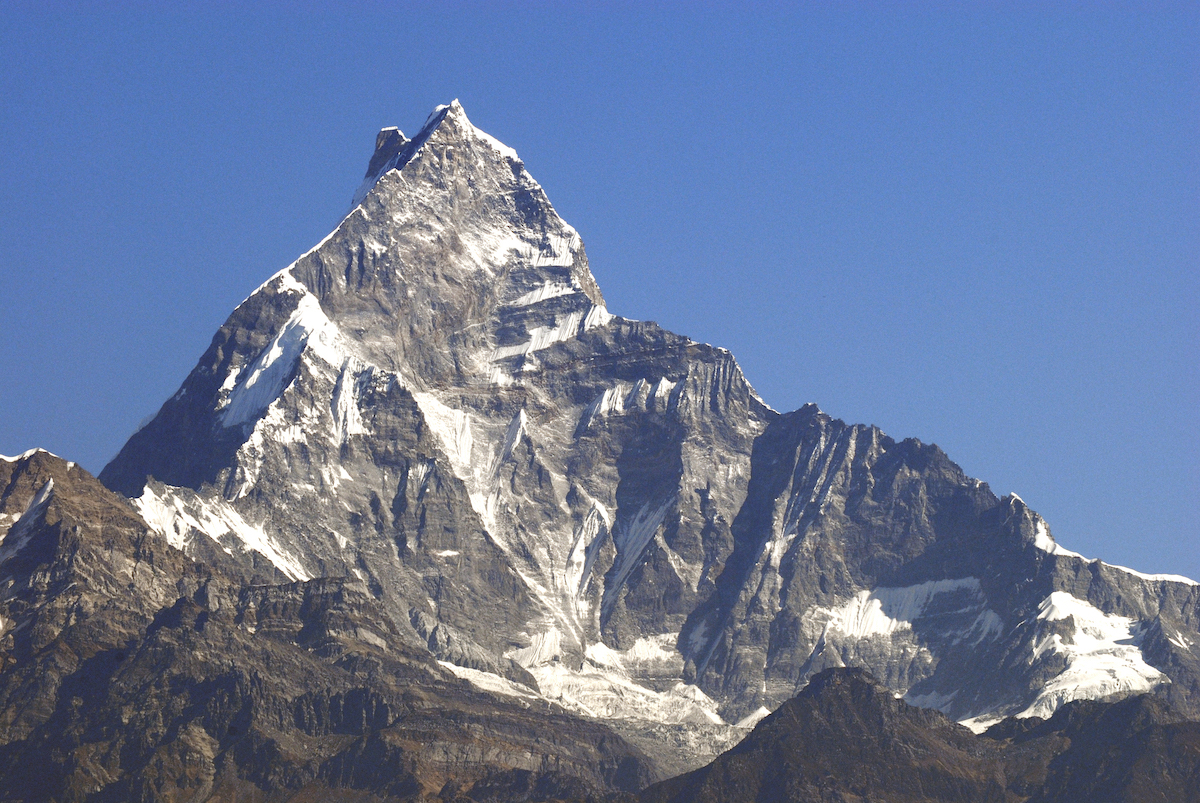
427	519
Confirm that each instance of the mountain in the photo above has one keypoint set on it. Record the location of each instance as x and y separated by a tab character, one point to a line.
845	737
435	403
131	672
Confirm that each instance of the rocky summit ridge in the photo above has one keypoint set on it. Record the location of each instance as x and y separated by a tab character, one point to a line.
560	504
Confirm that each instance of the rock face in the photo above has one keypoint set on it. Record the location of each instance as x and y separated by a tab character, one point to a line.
436	403
131	672
845	737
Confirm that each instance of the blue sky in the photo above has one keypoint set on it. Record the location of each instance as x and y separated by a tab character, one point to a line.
979	227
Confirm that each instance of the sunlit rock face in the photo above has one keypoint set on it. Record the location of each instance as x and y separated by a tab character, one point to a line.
436	402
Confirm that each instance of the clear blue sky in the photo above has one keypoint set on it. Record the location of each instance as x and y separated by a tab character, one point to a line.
976	227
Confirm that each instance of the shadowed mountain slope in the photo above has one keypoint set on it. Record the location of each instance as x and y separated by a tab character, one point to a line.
845	737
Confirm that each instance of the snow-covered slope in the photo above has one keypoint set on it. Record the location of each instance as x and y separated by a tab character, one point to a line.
435	400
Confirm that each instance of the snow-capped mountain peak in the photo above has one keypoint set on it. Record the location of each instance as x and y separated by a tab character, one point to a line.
436	402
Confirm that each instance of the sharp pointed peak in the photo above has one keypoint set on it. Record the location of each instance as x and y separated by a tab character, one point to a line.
393	150
449	121
453	110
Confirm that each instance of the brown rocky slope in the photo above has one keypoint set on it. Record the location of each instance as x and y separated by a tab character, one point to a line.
133	673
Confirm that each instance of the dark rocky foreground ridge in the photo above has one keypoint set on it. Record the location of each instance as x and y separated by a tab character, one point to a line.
427	517
846	737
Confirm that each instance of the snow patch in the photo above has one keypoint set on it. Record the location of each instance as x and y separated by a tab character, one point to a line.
1104	657
622	397
603	655
661	393
489	682
347	420
600	692
631	539
753	718
597	316
541	337
177	513
649	655
653	649
543	648
252	389
27	453
588	537
1154	578
512	436
452	428
883	611
610	402
1043	541
981	723
495	144
987	626
568	326
16	537
545	292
